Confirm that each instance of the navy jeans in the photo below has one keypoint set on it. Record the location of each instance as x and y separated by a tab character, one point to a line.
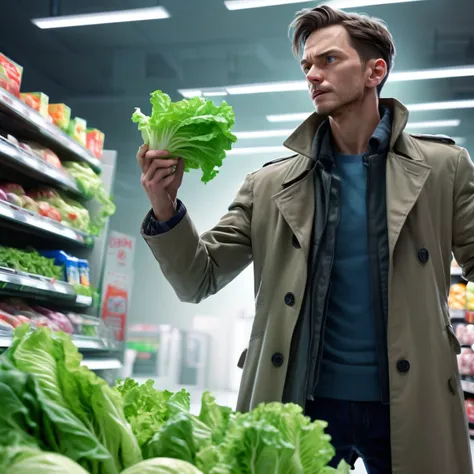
358	429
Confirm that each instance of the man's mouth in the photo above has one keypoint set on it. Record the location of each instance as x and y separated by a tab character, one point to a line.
317	93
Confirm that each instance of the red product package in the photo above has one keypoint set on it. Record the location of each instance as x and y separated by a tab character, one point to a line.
469	404
10	75
95	142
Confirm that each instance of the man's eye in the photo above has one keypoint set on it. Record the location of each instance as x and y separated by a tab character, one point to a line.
330	59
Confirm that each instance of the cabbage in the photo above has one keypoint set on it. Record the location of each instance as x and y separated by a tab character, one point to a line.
194	129
162	466
46	463
63	406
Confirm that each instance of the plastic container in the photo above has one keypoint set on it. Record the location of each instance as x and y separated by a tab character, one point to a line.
84	273
60	114
37	101
70	264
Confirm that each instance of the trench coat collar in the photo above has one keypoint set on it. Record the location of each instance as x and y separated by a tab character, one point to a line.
301	140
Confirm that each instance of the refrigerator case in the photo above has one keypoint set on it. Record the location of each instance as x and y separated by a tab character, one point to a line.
194	356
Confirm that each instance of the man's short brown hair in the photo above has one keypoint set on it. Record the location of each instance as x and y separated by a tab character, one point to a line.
369	36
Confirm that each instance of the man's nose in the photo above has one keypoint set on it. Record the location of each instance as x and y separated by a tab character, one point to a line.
314	75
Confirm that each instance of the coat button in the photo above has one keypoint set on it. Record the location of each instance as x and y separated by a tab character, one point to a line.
289	299
423	255
403	366
295	242
277	359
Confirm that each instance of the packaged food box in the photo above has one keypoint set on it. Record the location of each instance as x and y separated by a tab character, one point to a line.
10	75
95	142
457	296
60	115
77	130
69	263
84	272
37	101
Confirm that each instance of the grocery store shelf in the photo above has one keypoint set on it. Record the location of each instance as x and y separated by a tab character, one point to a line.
102	364
467	387
33	166
5	342
83	343
457	314
45	132
32	222
35	286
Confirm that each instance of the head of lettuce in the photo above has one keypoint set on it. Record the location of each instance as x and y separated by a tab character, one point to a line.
193	129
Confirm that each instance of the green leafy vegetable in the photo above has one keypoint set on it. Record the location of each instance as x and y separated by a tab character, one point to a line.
85	419
194	129
145	408
174	439
162	466
20	432
148	411
30	262
216	417
92	187
274	438
46	463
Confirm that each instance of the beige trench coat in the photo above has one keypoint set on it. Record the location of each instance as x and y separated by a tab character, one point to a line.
430	205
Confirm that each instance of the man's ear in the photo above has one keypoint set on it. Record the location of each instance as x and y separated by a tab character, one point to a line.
377	70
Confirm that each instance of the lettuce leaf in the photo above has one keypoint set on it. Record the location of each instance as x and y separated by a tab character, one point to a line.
145	408
85	416
46	463
194	129
274	438
163	466
20	434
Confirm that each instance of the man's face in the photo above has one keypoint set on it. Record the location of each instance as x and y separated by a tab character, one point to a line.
334	71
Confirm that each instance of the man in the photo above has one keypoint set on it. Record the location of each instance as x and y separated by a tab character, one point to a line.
351	240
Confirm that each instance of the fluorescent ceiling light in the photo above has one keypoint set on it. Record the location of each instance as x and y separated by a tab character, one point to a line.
435	124
257	149
426	107
302	85
263	134
447	105
298	117
214	94
101	18
286	132
245	4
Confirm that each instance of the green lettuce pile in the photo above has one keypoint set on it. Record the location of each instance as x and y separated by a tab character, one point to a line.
274	438
92	187
59	417
30	261
194	129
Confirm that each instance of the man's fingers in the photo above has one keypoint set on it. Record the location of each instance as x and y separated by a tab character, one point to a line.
141	155
179	173
157	170
153	154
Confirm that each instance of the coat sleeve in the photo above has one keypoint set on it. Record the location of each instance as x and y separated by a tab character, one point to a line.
199	266
463	216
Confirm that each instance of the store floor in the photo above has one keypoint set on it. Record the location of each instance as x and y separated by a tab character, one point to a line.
230	399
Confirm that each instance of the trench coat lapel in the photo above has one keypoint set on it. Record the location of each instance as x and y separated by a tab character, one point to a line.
296	200
405	180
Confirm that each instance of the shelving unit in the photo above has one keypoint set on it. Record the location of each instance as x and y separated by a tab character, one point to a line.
36	224
35	127
23	228
14	283
37	169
